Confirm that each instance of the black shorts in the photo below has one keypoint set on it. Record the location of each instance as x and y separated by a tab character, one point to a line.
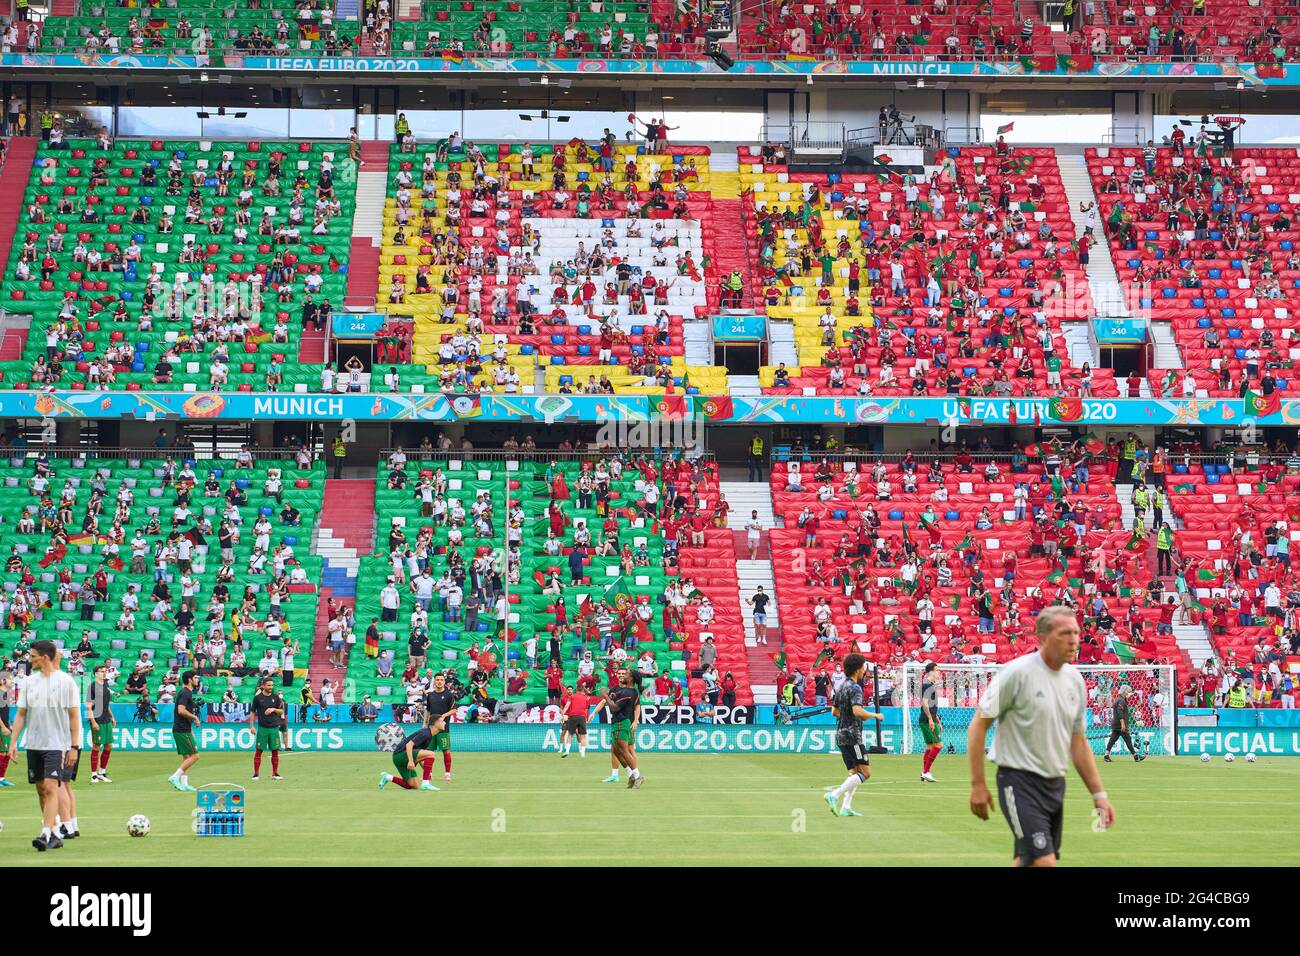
48	765
1034	808
576	725
854	754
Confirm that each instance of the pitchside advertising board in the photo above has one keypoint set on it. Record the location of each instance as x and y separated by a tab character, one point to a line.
234	713
508	738
1268	734
658	738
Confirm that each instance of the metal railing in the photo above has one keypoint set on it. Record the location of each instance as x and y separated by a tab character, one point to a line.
535	456
896	134
17	453
748	295
1124	136
782	454
808	134
963	135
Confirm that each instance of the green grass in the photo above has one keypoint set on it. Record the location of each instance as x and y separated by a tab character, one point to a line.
513	809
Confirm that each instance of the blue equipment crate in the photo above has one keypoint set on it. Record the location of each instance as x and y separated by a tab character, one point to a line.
220	811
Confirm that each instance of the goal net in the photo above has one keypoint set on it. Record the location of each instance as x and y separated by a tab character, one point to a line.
959	687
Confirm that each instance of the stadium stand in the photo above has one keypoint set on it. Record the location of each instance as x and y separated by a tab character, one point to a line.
899	285
940	30
150	565
201	27
582	262
948	559
186	265
540	27
1235	546
433	28
936	30
593	565
1207	243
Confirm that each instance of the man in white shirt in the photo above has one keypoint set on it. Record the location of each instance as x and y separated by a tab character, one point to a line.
389	601
422	586
1038	702
49	710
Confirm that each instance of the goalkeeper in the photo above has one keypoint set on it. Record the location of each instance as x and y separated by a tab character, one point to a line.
1120	722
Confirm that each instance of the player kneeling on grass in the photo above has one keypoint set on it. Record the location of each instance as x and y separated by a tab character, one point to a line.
413	749
849	713
264	720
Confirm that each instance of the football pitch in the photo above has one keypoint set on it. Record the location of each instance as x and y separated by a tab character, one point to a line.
694	810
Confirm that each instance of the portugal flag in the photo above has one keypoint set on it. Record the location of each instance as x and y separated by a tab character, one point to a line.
1126	651
1003	130
1093	445
715	408
1257	404
617	593
1065	409
672	406
1075	62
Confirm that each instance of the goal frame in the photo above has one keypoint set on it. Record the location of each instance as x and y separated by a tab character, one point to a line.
1165	674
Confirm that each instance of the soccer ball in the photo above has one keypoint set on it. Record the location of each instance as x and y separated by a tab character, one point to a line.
388	736
1250	756
1205	758
1228	758
618	654
138	825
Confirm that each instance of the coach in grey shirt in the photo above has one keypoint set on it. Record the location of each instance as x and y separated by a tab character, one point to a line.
1038	703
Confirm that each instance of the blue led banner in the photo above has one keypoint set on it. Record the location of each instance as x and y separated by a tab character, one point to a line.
357	325
739	328
516	738
801	738
767	409
1120	331
1248	73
